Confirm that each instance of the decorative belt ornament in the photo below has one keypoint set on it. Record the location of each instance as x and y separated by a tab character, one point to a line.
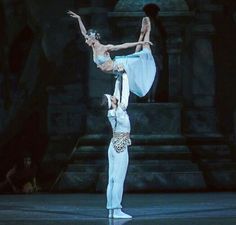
118	68
120	140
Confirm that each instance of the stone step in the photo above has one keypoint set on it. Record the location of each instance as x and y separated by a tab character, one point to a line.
155	118
136	167
211	151
135	152
215	161
207	139
224	166
221	179
151	139
135	161
135	182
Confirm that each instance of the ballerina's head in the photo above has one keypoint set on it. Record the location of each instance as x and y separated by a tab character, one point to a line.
92	37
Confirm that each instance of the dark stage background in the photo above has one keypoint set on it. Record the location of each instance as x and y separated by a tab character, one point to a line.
183	131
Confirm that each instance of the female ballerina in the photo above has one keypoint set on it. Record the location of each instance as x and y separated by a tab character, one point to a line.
140	66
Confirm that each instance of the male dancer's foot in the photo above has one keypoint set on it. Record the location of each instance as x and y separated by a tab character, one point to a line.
110	214
118	214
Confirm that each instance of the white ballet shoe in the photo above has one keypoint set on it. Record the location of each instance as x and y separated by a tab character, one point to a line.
110	213
118	214
146	25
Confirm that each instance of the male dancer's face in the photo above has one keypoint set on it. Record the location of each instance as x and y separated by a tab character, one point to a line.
113	102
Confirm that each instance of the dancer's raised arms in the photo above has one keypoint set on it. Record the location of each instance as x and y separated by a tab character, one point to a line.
81	25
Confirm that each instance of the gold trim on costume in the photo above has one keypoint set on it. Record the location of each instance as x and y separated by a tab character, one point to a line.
120	140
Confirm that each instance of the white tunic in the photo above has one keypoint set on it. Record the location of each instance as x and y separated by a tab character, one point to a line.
118	117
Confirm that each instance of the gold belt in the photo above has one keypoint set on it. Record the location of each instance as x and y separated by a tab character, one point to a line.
120	140
120	134
118	68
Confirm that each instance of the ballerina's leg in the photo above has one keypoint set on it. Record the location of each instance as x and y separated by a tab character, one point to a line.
147	34
141	36
139	47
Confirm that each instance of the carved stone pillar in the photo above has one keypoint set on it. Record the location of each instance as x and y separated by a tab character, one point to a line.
174	42
200	116
203	82
235	131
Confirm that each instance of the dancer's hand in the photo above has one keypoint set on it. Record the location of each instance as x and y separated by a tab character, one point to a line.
148	42
81	25
72	14
102	67
145	42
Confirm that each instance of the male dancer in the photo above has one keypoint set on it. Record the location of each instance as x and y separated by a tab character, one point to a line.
118	157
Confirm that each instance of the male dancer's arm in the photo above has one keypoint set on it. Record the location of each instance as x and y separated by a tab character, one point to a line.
117	90
112	112
125	92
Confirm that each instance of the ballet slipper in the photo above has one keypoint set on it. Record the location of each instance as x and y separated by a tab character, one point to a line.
147	23
144	26
118	214
110	214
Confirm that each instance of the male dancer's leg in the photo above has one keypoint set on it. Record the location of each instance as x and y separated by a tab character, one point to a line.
110	176
120	168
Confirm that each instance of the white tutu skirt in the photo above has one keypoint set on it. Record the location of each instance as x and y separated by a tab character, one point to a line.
140	68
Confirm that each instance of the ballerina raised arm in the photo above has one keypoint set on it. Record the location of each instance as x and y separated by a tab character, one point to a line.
141	72
81	25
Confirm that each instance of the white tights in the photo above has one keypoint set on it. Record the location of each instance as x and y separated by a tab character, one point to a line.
118	163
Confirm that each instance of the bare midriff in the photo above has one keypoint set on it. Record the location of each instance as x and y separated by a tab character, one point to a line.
107	67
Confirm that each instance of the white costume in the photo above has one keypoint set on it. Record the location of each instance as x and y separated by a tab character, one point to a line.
118	150
140	68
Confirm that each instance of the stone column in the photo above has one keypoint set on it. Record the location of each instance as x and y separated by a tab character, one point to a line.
203	80
175	25
201	116
174	42
235	127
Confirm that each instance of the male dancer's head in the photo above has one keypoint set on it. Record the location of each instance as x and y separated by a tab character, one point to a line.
109	101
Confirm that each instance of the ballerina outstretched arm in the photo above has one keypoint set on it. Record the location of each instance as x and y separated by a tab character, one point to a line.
126	45
81	25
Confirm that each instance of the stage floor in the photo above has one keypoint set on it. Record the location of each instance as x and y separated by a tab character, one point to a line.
155	209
